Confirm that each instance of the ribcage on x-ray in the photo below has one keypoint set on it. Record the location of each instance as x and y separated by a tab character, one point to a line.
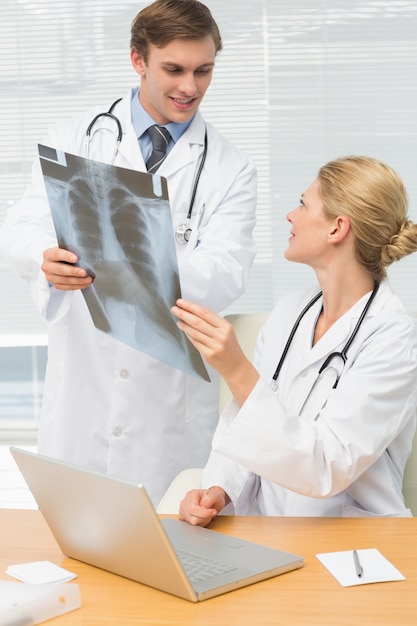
84	202
109	225
120	237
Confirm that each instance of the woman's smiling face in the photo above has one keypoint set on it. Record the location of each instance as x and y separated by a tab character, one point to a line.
308	242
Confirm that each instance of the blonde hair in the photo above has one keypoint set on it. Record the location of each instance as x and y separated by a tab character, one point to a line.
375	200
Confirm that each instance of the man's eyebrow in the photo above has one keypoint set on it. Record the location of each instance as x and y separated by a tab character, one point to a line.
178	65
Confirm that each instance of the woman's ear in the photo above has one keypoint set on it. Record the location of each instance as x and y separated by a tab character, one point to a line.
340	229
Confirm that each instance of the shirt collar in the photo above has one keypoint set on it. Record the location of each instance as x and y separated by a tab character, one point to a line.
141	120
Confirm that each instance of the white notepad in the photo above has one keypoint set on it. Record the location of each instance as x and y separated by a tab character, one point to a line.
376	568
40	572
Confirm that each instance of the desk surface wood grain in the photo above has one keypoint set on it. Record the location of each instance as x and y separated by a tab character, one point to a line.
303	597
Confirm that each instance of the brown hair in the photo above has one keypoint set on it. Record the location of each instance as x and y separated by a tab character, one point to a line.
375	200
165	20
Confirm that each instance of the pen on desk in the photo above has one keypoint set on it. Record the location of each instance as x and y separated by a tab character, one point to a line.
358	566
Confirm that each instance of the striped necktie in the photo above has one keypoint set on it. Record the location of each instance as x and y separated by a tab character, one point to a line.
160	137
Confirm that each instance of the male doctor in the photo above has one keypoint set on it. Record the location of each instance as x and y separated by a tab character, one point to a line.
107	406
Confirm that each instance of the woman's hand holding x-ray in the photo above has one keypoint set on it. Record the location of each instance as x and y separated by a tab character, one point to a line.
216	340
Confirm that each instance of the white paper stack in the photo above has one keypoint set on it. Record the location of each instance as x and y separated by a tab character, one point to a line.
26	605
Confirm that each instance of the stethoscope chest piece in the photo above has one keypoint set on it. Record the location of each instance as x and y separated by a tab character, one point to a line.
183	233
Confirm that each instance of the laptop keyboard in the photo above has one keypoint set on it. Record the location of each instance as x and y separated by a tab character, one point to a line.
201	568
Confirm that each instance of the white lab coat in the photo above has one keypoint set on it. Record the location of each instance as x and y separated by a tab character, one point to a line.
344	453
106	405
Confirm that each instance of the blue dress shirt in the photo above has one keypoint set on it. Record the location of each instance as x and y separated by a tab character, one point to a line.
141	121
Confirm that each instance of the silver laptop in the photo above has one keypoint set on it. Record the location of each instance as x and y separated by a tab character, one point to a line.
111	523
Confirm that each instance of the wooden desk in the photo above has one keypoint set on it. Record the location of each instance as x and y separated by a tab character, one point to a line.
303	597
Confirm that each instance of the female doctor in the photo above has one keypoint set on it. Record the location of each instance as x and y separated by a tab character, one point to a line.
322	423
106	405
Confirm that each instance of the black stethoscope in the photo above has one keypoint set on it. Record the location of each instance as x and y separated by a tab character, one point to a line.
183	231
334	355
89	134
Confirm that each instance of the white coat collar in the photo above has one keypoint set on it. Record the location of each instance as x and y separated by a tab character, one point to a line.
184	153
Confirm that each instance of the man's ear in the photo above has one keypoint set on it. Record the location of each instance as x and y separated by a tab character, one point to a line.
340	229
138	62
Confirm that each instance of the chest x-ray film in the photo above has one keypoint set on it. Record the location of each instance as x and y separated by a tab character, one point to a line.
118	222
